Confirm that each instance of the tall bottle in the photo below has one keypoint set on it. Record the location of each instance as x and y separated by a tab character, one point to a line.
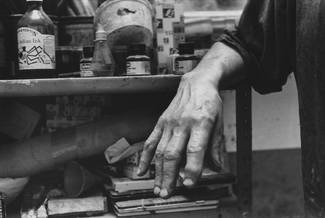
103	63
36	43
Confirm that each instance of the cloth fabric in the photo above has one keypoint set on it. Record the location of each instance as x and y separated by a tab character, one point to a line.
276	38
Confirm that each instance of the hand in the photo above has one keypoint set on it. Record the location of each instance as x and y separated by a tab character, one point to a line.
189	126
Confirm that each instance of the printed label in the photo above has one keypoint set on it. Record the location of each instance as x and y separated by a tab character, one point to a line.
182	67
35	50
138	68
85	69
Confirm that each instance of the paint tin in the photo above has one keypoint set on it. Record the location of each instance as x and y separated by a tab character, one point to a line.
126	21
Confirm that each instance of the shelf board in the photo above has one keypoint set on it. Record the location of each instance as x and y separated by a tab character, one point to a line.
93	85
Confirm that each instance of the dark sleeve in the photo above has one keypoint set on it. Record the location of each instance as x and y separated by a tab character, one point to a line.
265	38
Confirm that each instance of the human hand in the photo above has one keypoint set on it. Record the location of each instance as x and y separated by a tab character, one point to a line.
191	126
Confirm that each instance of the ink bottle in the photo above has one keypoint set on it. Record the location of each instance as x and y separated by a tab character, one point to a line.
137	63
85	62
36	43
187	60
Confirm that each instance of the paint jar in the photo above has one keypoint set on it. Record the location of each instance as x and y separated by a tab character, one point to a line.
187	60
85	62
137	63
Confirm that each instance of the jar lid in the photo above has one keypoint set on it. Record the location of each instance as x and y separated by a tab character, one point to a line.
186	48
88	51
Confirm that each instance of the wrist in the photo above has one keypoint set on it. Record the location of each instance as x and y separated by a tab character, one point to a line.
222	66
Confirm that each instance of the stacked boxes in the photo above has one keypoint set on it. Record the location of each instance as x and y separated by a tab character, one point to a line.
73	110
169	30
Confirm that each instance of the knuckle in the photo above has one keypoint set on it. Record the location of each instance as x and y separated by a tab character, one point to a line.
206	119
172	154
159	154
195	147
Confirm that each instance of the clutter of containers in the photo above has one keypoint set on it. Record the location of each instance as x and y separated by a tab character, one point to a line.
105	38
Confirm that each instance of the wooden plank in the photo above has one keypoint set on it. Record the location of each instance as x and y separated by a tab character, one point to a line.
93	85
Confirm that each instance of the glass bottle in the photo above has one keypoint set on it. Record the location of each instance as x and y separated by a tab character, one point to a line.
103	63
187	60
137	63
36	43
85	62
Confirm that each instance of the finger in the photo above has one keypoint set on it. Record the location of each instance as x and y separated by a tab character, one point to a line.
160	160
149	148
215	143
195	155
172	158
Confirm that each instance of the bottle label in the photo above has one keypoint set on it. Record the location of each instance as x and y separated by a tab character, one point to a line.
182	67
138	68
2	53
35	50
85	69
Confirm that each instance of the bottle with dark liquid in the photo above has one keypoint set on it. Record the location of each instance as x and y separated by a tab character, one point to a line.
36	43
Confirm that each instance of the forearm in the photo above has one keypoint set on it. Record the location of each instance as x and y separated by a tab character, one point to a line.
222	65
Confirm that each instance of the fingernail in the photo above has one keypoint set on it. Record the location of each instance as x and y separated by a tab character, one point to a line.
156	190
188	182
138	171
163	193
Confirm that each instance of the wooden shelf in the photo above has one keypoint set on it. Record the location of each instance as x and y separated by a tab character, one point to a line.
93	85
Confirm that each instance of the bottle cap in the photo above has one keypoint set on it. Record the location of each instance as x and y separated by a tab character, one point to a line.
186	48
101	33
137	48
88	51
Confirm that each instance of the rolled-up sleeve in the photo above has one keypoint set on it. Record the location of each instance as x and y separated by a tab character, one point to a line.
265	38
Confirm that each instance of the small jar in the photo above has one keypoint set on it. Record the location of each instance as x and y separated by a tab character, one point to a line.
85	62
137	63
187	60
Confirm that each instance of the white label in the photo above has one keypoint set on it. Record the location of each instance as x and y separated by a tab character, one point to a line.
35	50
85	69
182	67
138	68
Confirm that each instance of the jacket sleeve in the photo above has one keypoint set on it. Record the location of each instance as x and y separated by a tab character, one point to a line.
265	38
